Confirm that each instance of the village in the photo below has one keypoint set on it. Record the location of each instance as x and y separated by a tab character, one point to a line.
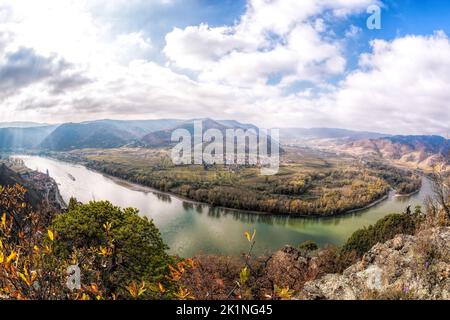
41	182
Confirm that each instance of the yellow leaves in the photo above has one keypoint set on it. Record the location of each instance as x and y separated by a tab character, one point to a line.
11	257
249	237
95	290
283	293
244	275
3	220
183	294
107	226
28	278
24	278
161	288
2	257
84	297
136	291
105	252
51	235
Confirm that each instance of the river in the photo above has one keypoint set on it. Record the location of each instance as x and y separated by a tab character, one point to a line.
190	228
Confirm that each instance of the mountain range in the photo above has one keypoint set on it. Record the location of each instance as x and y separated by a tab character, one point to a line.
414	150
104	134
417	151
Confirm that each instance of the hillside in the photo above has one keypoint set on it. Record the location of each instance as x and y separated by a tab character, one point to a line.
93	135
406	267
301	135
413	151
114	133
138	128
9	178
163	138
23	138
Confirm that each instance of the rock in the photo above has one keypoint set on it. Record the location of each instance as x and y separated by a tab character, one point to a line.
290	268
406	267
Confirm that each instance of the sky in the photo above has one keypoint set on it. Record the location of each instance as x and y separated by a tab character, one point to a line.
274	63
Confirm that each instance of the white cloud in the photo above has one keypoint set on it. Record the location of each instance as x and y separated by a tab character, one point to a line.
274	38
353	31
402	86
86	67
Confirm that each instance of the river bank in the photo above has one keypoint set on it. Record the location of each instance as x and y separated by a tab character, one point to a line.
191	228
311	214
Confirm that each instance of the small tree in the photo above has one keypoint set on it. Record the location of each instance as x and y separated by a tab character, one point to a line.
131	248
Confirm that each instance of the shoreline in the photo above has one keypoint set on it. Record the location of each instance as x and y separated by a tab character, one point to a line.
399	195
143	188
373	204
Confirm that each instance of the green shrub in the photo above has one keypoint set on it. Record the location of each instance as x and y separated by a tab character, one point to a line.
308	246
385	229
138	250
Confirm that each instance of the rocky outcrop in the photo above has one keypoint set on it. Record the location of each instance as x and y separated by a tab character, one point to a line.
291	268
406	267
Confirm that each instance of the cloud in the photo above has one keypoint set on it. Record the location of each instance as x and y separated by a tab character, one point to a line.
278	38
353	31
280	64
401	86
24	67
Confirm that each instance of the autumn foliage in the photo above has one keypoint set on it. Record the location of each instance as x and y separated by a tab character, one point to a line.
33	265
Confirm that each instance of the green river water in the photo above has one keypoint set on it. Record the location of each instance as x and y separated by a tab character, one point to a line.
190	228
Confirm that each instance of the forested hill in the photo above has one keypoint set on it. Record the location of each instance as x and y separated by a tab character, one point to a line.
10	178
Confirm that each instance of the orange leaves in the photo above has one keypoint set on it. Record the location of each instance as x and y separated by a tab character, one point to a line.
94	290
161	288
183	294
190	263
175	274
135	290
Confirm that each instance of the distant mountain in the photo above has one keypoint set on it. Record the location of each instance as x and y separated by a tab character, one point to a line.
235	124
419	151
292	135
102	134
139	128
23	138
71	136
23	124
163	138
